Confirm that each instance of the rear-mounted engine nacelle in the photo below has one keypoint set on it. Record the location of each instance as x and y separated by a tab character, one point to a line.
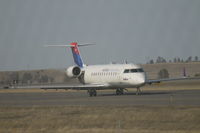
73	71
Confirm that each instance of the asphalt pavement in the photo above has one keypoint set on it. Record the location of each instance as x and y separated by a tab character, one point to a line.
81	98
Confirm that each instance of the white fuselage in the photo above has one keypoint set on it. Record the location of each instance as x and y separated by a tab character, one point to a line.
115	75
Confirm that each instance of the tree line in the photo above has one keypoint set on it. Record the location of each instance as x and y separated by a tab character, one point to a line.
34	77
174	60
26	78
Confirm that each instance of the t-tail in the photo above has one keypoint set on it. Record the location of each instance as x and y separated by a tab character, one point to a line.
75	52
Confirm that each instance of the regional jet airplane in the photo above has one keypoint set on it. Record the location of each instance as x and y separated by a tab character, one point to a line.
99	77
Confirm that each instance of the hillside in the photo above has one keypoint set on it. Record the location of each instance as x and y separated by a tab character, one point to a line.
174	69
35	77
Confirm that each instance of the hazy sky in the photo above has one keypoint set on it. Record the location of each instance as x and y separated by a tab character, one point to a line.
133	30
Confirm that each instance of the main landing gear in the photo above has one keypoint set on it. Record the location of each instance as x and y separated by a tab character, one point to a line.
138	92
119	91
92	92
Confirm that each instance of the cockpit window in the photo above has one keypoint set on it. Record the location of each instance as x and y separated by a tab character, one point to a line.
126	71
133	70
140	70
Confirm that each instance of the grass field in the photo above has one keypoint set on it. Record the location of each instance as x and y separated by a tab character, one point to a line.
175	85
139	119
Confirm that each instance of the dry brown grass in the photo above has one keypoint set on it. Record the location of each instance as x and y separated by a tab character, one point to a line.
140	119
175	85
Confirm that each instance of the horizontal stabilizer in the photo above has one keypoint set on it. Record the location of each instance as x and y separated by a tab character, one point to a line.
80	45
75	51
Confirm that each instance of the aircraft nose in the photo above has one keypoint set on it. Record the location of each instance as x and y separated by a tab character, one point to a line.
141	79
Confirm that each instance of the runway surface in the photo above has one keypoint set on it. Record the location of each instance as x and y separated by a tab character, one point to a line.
81	98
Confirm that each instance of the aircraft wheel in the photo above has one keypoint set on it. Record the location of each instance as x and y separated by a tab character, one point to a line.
138	92
119	91
95	93
92	92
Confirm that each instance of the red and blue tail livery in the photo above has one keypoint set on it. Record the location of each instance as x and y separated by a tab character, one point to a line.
76	54
75	51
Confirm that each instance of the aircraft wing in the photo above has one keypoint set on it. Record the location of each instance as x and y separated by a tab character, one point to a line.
65	86
169	79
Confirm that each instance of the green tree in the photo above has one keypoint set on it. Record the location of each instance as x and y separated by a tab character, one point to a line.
189	59
151	61
196	58
44	79
37	77
14	77
175	60
27	78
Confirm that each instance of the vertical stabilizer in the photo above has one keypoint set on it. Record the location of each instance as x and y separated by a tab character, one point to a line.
76	54
75	51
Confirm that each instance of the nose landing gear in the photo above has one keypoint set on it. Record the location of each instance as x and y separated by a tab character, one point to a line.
138	92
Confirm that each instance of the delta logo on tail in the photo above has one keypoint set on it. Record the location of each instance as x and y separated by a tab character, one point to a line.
76	54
